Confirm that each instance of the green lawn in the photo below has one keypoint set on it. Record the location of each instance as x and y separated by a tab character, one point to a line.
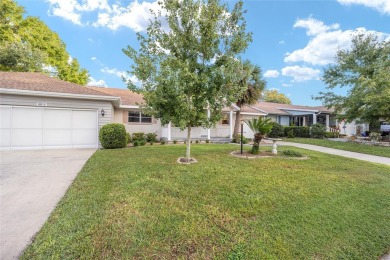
139	203
348	146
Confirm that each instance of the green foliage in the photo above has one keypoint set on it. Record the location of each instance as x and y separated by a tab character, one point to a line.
275	97
318	130
113	136
237	139
20	56
331	135
40	45
251	81
207	141
193	64
292	153
298	131
260	127
151	137
138	137
196	141
365	70
174	141
290	133
163	141
276	131
128	138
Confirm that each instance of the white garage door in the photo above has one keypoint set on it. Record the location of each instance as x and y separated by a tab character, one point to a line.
37	128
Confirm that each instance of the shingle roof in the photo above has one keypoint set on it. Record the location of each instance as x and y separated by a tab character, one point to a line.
280	109
128	97
34	81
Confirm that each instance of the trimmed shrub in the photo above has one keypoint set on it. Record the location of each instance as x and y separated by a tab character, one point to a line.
331	135
298	131
375	136
290	134
174	141
138	137
318	131
207	141
276	131
113	136
291	153
162	141
151	137
197	141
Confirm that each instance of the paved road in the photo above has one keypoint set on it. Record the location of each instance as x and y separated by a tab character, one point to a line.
32	183
359	156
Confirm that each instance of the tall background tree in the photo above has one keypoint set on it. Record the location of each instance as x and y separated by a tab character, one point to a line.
250	80
272	95
30	36
190	66
365	71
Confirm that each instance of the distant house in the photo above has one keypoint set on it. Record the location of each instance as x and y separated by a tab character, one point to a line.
38	112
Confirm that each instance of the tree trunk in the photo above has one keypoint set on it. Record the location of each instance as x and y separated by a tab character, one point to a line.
256	143
237	123
188	151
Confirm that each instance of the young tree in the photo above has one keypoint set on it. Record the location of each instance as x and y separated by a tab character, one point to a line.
365	70
260	127
275	97
191	65
31	35
251	81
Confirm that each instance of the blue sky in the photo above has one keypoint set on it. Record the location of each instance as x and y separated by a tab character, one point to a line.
292	40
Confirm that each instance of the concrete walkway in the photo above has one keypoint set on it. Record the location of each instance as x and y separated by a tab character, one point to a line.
32	183
358	156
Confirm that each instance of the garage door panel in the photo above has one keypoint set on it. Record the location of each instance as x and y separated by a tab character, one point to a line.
5	117
5	138
57	118
84	119
84	137
58	137
27	137
27	118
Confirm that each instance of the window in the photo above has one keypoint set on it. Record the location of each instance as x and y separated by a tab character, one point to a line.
225	120
139	117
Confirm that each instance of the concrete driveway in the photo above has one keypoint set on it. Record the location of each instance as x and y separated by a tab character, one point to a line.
32	183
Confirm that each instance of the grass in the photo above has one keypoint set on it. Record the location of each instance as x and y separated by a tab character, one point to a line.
347	146
139	203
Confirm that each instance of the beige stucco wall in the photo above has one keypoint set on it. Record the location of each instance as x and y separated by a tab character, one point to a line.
121	116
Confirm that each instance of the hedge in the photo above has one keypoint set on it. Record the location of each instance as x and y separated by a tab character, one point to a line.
298	131
113	136
276	131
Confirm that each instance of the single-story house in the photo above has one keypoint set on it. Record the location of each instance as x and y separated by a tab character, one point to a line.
38	111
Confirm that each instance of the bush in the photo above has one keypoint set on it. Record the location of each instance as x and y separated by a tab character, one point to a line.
298	131
175	141
276	131
331	135
291	153
113	136
128	138
290	134
318	131
151	137
138	137
237	139
207	141
162	141
197	141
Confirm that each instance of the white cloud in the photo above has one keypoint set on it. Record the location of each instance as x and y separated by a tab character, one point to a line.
324	42
93	58
96	83
71	9
271	74
282	42
70	59
136	15
277	89
382	6
301	73
120	74
286	85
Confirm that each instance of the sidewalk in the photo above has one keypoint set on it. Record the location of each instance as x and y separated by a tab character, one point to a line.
359	156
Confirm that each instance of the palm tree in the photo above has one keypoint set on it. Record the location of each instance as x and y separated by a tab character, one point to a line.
260	127
250	78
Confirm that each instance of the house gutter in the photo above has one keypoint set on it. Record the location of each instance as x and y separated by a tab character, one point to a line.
114	100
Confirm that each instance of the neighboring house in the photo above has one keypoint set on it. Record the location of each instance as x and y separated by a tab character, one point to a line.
38	111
